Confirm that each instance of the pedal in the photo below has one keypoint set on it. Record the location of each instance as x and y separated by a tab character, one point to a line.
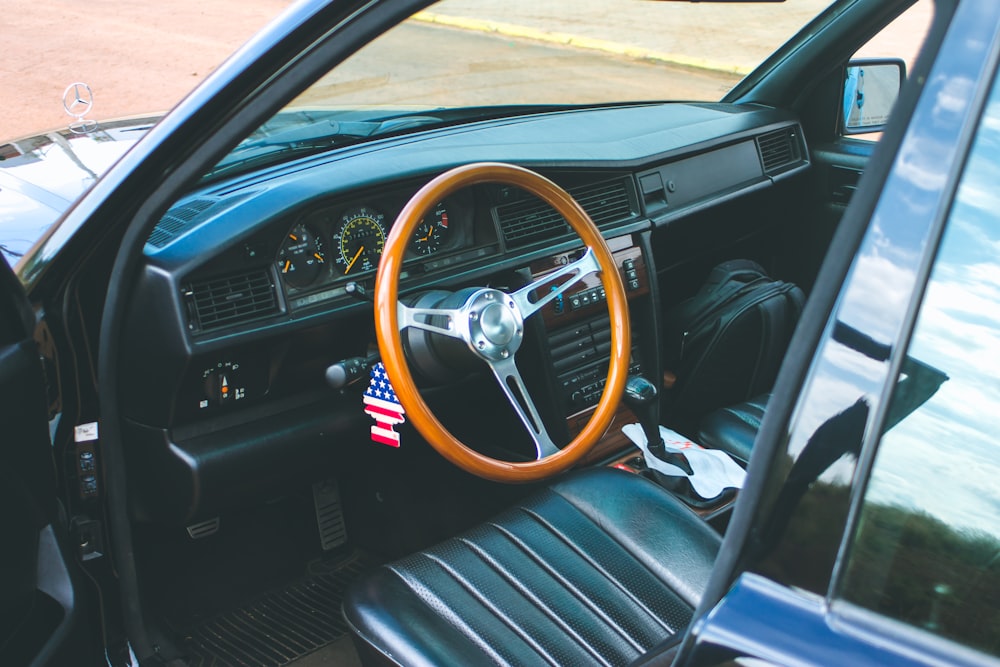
329	514
197	531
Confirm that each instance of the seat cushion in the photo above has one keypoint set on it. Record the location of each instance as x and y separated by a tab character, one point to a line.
596	569
734	428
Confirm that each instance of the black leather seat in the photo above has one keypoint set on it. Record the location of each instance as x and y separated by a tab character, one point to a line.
597	569
733	429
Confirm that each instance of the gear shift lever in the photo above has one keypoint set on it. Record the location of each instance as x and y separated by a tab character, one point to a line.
641	397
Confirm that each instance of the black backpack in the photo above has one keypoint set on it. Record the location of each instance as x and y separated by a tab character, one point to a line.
726	343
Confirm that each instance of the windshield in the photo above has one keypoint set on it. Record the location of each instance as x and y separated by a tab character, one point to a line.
473	53
462	60
457	61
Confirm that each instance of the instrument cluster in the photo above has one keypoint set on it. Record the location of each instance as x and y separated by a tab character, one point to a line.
336	243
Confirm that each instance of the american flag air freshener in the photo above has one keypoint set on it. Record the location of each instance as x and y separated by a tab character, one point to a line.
382	405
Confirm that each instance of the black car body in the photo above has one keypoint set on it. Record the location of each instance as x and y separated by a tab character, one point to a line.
185	372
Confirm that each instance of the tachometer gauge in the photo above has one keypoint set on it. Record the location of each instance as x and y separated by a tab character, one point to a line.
360	238
301	257
432	232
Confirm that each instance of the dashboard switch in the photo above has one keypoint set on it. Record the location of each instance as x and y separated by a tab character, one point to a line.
558	304
223	384
88	486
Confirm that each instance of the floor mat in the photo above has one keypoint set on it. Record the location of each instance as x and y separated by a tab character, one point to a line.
277	627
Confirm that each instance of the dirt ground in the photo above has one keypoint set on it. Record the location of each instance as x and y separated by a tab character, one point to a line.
136	56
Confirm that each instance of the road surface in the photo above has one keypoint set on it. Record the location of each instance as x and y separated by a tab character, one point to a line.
136	56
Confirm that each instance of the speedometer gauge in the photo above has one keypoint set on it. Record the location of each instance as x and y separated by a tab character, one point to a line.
360	239
432	232
300	258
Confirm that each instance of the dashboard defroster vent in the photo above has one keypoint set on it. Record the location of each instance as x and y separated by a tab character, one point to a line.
531	220
175	221
779	149
223	302
187	215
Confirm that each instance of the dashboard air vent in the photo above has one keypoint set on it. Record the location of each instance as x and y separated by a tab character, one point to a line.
223	302
778	149
177	220
532	220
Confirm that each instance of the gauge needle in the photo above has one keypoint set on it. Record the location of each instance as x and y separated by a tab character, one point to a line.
288	265
354	259
318	256
429	232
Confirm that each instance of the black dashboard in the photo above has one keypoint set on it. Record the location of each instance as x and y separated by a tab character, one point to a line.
253	286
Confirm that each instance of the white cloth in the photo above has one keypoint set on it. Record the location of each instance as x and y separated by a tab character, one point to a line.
714	471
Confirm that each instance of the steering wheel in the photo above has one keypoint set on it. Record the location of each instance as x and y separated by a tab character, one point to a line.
490	323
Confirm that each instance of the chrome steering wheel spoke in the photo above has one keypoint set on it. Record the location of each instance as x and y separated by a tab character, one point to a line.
577	270
489	322
509	377
420	318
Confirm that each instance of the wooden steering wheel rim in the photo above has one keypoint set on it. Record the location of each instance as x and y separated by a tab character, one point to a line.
390	341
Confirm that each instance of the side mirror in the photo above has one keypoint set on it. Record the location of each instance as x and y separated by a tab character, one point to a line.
870	91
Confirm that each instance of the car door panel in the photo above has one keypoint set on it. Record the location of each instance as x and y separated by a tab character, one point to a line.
40	619
901	212
837	168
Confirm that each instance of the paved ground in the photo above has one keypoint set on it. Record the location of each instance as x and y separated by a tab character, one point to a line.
437	66
137	56
142	57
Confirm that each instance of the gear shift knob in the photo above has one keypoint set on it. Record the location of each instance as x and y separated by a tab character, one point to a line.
642	398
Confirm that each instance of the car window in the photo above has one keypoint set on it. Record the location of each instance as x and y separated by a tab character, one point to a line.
466	52
927	547
463	60
900	39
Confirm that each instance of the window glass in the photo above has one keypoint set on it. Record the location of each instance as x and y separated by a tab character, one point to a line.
927	550
466	52
465	60
900	39
903	37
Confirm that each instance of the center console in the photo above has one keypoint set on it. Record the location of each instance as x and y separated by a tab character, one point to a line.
578	330
579	338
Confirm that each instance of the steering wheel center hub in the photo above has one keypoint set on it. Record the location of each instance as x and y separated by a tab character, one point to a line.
496	327
498	324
